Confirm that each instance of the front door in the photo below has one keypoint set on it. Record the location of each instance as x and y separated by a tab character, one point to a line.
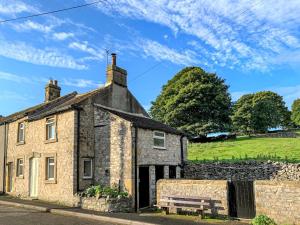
9	177
33	173
144	198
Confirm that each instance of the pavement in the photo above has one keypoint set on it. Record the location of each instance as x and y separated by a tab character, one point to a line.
35	212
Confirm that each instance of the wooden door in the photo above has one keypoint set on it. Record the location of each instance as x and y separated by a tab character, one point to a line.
9	179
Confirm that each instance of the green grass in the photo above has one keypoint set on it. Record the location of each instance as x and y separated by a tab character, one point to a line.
277	149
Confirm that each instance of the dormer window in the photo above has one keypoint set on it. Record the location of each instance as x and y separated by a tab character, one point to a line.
159	140
50	129
21	132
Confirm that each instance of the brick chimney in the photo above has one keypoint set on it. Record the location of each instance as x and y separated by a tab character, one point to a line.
52	91
115	74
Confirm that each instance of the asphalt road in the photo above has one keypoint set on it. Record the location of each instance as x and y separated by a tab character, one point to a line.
19	216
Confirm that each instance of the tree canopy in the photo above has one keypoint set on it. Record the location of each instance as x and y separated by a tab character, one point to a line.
260	111
194	101
296	112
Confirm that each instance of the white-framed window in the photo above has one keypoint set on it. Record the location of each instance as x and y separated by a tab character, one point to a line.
20	167
21	132
50	168
159	139
87	168
50	129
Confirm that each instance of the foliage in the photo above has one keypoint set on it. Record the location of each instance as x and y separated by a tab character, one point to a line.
245	148
194	101
262	220
102	191
256	113
296	112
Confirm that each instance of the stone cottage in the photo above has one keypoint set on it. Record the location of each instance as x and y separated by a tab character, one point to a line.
60	147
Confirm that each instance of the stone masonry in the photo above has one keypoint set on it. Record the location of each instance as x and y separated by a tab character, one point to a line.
245	170
278	200
216	190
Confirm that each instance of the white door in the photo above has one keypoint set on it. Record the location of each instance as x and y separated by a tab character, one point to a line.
33	186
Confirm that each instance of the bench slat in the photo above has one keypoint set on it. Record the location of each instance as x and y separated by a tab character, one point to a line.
184	202
186	197
184	207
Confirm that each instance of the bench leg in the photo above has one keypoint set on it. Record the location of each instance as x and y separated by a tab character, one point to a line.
201	214
166	210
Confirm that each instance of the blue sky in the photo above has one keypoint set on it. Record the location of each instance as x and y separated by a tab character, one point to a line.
253	44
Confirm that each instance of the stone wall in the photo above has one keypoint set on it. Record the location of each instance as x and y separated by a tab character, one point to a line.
106	204
216	190
60	189
245	170
278	200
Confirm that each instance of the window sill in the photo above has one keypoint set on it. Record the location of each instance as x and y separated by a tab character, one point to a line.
87	178
20	143
50	181
50	141
20	177
159	148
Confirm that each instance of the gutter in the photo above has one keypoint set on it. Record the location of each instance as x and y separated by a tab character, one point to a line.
135	169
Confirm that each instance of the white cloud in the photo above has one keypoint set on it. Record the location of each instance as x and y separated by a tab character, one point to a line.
48	57
30	25
245	33
161	52
14	78
62	36
13	7
81	83
85	47
10	95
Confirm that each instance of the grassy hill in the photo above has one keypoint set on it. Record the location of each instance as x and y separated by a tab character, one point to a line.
279	149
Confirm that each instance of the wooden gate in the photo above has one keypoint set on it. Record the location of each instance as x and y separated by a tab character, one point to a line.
241	199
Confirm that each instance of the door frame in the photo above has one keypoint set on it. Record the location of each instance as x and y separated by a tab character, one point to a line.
31	160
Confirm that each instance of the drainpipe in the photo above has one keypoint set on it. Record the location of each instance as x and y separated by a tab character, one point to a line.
78	146
181	152
135	169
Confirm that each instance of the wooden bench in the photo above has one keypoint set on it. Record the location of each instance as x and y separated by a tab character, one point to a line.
199	204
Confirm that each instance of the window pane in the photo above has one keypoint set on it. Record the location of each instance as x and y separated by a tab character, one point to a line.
87	168
20	167
50	131
159	134
21	132
50	168
159	142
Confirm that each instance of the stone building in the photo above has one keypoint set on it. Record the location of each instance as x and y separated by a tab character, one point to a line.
60	147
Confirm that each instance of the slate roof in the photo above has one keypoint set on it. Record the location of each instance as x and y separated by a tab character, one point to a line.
60	104
141	121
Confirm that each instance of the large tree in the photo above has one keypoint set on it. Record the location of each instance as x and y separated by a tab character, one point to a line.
260	111
194	101
296	112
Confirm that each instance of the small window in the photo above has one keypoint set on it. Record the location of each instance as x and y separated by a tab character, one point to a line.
21	132
50	173
87	168
20	166
159	140
50	129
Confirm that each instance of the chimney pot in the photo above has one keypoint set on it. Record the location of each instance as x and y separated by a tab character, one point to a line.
114	59
55	82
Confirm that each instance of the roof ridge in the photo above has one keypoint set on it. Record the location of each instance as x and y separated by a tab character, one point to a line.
121	111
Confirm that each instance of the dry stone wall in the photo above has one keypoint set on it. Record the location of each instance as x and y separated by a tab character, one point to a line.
245	170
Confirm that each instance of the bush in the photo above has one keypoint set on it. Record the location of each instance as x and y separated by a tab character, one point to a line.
262	220
102	191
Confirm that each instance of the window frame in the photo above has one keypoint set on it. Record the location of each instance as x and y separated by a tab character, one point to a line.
19	131
52	179
47	124
159	137
91	168
18	175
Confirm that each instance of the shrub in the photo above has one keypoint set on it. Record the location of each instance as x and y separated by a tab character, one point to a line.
102	191
262	220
